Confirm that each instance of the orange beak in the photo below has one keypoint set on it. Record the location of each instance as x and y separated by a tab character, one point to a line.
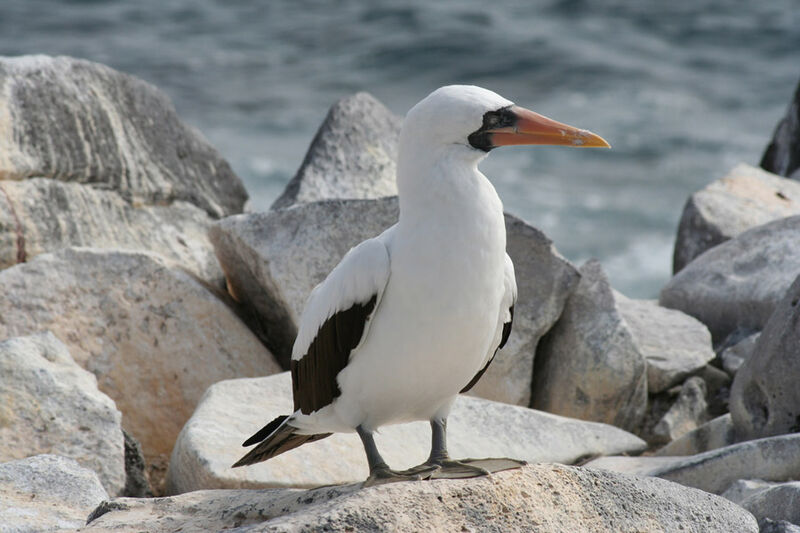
533	128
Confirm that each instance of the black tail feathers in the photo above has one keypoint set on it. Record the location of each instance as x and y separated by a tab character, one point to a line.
275	438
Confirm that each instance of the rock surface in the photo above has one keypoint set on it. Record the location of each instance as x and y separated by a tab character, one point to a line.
734	356
233	410
737	284
74	120
137	484
154	337
352	155
779	502
765	398
47	493
588	366
50	405
545	498
782	155
688	412
741	489
745	198
714	434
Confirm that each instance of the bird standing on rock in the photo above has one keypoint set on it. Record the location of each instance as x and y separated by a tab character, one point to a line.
409	319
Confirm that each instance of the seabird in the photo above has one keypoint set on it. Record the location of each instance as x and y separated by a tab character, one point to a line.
413	317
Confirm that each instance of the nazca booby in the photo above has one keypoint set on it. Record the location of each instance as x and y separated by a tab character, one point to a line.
409	319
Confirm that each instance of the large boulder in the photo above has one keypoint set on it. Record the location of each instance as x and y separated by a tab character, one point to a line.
745	198
736	285
589	366
153	335
782	155
273	260
765	398
778	502
352	155
50	405
232	410
47	493
74	120
544	498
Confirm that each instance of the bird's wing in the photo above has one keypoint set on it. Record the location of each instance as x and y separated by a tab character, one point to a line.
505	318
335	321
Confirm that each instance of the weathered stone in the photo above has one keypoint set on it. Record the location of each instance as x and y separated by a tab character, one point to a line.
352	155
50	405
49	215
272	262
232	410
771	459
765	398
674	344
136	483
541	497
74	120
47	493
718	387
588	366
153	335
745	198
777	526
734	356
714	434
741	489
779	502
782	155
687	413
737	284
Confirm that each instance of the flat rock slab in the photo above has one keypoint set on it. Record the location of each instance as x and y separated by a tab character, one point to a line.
49	404
74	120
153	335
772	459
233	410
47	493
716	433
778	502
542	498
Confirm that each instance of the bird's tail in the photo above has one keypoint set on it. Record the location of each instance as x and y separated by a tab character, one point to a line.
274	439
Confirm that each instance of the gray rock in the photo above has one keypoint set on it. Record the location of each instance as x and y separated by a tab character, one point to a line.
137	485
46	493
745	198
74	120
737	284
588	366
765	398
232	410
352	155
782	155
688	412
272	262
734	356
741	489
777	526
50	405
718	385
714	434
779	502
152	334
541	497
674	344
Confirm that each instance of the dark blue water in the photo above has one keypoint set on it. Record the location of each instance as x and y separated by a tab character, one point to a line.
683	91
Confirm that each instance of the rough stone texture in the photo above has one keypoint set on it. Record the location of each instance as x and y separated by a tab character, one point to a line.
136	483
588	366
542	498
272	262
777	526
151	333
737	284
46	493
49	404
782	155
50	215
688	412
765	398
352	155
734	356
714	434
674	344
741	489
779	502
233	410
718	386
74	120
745	198
771	459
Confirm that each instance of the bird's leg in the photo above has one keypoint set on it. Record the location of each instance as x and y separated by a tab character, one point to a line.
379	471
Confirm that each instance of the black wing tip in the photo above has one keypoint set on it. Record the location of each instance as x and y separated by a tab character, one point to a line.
265	432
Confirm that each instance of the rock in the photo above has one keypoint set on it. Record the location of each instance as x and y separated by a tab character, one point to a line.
47	493
765	399
137	485
741	489
272	262
737	284
232	410
782	155
151	333
674	344
688	412
49	404
745	198
777	526
734	356
50	215
779	502
718	385
543	497
714	434
74	120
588	366
771	459
352	155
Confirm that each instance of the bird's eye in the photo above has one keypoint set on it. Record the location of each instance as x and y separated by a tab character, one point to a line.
501	118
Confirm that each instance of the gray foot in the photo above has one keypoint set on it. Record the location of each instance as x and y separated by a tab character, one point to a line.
465	468
381	476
